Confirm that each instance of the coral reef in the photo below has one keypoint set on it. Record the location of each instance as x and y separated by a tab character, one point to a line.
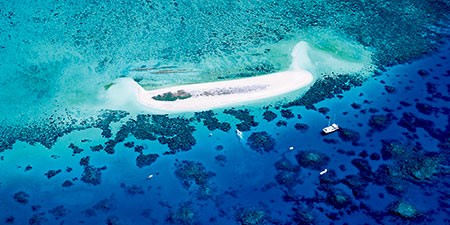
145	160
211	122
281	123
59	211
287	178
247	120
326	87
312	160
338	199
404	210
189	172
76	149
302	127
92	175
51	173
132	189
21	197
261	142
287	113
183	215
381	122
248	216
349	135
269	115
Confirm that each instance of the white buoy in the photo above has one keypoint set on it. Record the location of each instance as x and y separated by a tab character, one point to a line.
323	172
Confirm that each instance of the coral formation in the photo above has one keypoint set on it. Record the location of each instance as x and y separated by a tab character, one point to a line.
312	160
261	141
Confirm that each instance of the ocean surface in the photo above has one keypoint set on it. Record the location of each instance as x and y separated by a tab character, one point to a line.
68	158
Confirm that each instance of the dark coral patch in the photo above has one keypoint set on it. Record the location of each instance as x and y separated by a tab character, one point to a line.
189	172
67	183
287	113
381	122
133	189
92	175
76	149
211	122
269	115
312	160
21	197
52	173
349	135
286	178
59	211
404	210
281	123
247	120
261	142
184	214
302	127
145	160
250	216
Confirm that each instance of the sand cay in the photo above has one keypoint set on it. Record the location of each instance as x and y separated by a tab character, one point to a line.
210	95
238	92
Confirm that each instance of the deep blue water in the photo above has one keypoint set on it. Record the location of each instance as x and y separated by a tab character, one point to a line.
222	180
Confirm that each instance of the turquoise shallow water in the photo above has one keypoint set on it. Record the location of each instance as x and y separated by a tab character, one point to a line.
65	160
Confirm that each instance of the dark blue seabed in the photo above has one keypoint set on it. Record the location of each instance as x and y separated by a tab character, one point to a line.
388	164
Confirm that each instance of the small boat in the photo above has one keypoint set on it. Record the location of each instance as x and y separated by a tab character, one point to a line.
239	133
330	129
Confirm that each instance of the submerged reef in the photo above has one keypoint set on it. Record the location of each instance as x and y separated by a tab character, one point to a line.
287	173
249	216
381	122
145	160
184	214
211	122
404	210
175	132
261	141
312	160
326	87
189	172
91	175
247	120
21	197
269	115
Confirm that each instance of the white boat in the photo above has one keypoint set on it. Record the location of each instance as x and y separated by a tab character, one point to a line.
330	129
239	134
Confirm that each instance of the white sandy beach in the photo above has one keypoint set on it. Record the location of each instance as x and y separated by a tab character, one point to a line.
219	94
226	93
126	93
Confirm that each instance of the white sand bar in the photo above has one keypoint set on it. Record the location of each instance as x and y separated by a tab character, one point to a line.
210	95
128	95
205	96
237	92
